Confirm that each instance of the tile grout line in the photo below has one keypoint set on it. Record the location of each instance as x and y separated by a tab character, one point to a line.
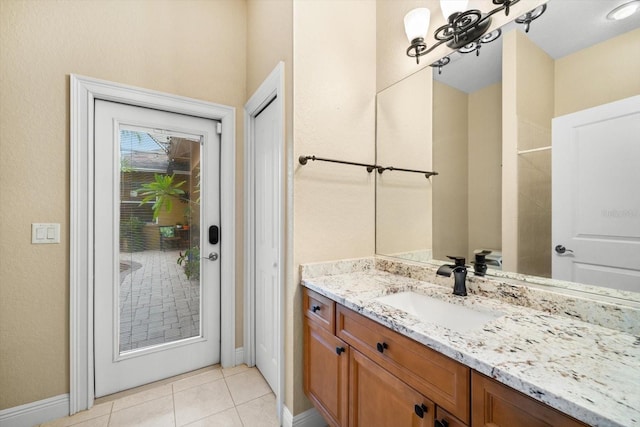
173	399
235	406
110	413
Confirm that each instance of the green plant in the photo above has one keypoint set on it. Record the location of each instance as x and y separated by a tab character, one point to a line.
131	236
190	261
162	190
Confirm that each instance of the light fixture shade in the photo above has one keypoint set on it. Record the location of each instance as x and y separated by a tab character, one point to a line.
449	7
624	11
416	23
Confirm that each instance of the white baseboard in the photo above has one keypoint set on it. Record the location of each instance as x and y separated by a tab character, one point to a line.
239	356
34	413
310	418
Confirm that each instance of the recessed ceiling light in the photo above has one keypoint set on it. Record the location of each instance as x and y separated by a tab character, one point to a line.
624	10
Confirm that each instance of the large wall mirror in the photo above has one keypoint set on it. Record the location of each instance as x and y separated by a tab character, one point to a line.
487	123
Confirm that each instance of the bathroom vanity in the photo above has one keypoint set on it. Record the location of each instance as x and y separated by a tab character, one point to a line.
369	363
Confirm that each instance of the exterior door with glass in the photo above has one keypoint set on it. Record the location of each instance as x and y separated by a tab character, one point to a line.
157	288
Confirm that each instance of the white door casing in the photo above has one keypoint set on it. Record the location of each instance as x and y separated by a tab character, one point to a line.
116	371
595	198
267	169
84	91
271	91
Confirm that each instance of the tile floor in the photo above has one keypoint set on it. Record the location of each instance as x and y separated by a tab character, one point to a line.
236	397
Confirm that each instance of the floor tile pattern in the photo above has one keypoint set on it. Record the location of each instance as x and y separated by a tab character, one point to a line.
236	397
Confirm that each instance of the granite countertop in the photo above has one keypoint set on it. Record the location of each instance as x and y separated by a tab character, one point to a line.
589	372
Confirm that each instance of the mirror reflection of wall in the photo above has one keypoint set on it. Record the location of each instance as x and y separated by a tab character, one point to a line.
467	145
492	143
404	140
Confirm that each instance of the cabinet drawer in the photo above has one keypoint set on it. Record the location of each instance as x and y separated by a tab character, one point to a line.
497	405
319	309
437	377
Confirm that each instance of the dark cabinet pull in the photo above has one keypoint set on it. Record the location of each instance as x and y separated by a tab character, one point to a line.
315	308
339	350
442	423
420	410
381	346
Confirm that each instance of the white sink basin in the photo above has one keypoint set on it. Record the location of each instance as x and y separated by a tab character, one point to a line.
431	310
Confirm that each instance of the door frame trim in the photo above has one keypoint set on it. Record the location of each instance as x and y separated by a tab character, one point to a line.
83	92
271	90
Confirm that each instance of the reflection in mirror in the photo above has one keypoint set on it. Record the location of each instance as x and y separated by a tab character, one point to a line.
491	143
404	140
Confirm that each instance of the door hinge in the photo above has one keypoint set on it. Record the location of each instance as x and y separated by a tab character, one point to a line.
219	128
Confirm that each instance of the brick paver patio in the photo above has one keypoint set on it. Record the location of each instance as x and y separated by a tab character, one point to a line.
158	304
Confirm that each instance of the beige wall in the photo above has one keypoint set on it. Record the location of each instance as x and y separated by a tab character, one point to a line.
485	169
606	72
175	47
450	160
535	97
334	116
403	139
527	97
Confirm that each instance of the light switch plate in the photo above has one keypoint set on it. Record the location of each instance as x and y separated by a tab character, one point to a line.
45	233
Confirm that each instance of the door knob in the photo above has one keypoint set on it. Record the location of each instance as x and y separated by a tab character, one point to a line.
212	256
561	249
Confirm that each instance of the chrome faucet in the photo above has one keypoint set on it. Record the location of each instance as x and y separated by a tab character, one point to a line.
459	271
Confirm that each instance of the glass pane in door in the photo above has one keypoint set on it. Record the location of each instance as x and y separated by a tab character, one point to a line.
159	282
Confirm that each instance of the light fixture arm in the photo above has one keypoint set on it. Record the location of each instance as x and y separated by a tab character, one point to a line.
462	28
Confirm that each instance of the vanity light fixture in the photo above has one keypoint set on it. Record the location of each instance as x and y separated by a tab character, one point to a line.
465	29
416	26
530	16
441	63
476	45
624	10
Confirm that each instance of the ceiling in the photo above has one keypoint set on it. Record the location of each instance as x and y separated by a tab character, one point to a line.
567	26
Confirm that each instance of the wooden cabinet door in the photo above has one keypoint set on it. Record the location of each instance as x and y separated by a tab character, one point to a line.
496	405
326	373
434	375
379	399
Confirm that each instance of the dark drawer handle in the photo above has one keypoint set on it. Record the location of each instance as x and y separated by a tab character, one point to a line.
421	410
315	308
442	423
381	346
339	350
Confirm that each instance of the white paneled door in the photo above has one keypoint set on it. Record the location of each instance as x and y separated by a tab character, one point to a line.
267	231
157	273
596	196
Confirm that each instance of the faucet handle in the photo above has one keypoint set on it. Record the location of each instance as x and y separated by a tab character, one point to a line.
459	260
